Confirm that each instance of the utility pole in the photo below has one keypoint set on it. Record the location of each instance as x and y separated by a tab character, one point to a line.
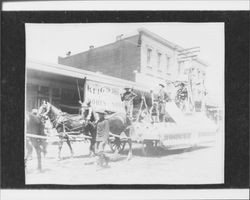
187	56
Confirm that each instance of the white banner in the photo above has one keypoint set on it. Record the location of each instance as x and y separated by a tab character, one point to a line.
104	96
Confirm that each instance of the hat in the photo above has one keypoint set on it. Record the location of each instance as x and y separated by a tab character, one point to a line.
127	88
161	85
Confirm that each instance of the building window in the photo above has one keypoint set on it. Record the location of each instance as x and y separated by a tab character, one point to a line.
186	71
180	64
167	63
158	60
199	73
56	93
32	89
44	91
67	96
149	56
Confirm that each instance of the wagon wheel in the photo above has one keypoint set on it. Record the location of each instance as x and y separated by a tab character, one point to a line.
148	146
117	144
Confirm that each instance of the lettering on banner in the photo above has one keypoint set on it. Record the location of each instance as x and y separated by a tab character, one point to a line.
103	96
183	136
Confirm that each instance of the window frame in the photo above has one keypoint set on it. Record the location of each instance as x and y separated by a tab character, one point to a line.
149	55
168	63
159	59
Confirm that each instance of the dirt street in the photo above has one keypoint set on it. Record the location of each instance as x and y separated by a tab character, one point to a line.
202	164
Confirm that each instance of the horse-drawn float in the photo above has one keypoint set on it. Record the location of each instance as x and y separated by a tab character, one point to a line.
184	130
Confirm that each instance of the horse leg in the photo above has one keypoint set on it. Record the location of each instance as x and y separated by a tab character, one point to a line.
44	148
70	147
60	144
29	150
92	147
39	157
128	134
130	149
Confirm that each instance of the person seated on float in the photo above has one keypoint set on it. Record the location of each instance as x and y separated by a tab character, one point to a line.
182	95
127	97
162	98
154	112
102	136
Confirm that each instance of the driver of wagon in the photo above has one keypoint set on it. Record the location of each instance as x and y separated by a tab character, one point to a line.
102	133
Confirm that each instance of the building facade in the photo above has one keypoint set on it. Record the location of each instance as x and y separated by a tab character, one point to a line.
145	58
141	61
64	86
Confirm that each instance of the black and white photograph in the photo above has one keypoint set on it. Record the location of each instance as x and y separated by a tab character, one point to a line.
124	103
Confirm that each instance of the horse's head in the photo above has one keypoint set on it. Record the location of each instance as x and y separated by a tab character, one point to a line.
41	110
48	111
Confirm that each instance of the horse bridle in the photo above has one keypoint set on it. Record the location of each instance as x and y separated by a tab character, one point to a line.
53	121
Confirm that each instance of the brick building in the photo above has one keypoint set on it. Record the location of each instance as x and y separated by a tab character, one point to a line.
144	58
141	61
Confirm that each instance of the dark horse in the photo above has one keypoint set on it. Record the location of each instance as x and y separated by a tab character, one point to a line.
35	129
118	123
66	125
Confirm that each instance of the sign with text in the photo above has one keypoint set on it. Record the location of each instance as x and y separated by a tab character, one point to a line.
104	96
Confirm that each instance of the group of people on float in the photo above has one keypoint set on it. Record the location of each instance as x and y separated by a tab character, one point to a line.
157	110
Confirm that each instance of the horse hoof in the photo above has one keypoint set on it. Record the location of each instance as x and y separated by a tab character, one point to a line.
129	157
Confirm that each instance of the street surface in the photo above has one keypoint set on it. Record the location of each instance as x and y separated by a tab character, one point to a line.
203	164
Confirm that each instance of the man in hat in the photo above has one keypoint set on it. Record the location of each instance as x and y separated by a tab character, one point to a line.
102	136
182	96
127	97
162	99
154	112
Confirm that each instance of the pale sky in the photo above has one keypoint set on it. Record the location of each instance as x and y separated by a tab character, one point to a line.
45	42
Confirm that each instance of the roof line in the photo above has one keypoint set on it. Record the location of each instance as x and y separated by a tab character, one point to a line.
166	42
80	73
105	45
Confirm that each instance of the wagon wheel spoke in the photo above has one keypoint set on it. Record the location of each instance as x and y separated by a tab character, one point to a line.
117	145
113	145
